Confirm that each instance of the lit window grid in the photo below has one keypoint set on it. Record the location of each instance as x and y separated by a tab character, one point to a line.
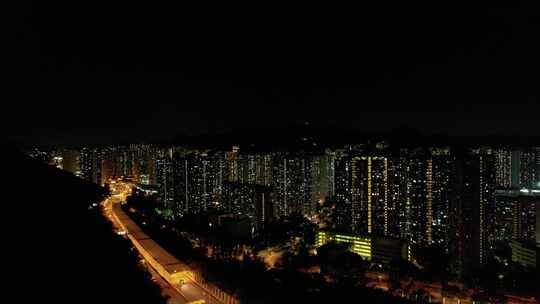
359	245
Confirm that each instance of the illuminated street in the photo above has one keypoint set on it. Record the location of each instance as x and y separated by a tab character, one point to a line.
151	252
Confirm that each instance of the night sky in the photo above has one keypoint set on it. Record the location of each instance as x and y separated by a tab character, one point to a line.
99	72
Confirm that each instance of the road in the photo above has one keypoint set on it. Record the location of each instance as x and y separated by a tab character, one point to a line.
151	253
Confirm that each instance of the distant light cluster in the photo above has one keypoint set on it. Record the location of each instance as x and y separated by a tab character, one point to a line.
453	199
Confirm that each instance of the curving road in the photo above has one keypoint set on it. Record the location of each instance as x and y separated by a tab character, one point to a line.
152	255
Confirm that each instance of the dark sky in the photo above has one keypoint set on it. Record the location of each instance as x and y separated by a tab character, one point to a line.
101	72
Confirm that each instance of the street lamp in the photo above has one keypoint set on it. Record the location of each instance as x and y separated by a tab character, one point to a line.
501	277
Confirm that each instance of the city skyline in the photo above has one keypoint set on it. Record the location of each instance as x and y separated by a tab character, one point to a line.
465	205
377	184
166	153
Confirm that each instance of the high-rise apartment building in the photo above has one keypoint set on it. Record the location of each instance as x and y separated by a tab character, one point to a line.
503	163
369	186
515	214
343	191
471	210
166	183
90	163
439	192
528	169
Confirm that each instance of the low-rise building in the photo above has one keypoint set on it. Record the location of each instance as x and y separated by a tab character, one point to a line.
383	249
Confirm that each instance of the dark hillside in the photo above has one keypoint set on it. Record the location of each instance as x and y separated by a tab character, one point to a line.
57	247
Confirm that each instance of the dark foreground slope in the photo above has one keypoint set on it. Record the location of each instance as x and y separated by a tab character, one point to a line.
55	247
